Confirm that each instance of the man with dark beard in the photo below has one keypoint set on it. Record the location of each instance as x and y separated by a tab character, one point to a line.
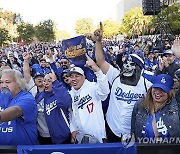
65	64
127	86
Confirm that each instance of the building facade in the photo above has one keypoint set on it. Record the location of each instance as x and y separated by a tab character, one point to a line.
124	6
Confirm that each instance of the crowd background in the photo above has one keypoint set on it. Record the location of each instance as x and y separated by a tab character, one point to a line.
47	65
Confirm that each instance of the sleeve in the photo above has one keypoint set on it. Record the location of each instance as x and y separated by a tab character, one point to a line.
61	94
177	96
171	69
102	86
31	87
112	74
53	66
133	116
71	121
29	107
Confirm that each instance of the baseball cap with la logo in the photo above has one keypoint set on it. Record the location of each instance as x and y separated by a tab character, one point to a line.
76	70
163	81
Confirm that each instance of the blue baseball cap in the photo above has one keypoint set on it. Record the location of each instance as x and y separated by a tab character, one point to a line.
38	74
163	81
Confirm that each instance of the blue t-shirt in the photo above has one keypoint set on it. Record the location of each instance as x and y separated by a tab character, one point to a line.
161	127
22	130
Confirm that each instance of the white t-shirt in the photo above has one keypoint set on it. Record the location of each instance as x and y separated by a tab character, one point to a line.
122	100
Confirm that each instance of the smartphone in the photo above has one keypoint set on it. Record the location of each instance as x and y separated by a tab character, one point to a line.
160	59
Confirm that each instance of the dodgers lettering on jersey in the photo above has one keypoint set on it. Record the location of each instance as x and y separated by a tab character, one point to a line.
161	127
129	96
83	101
51	106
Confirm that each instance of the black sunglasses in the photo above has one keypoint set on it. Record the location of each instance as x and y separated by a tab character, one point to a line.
64	62
65	76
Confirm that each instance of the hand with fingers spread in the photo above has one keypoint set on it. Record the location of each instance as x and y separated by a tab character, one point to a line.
176	47
91	64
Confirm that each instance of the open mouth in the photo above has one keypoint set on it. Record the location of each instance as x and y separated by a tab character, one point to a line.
128	72
157	96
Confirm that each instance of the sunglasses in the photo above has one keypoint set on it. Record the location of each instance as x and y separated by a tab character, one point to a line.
64	62
65	76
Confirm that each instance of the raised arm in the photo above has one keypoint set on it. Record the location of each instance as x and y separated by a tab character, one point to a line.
100	59
103	86
26	68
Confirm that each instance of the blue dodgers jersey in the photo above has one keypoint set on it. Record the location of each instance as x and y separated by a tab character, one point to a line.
161	127
22	130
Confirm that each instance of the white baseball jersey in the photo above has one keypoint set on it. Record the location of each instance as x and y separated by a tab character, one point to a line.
122	100
87	115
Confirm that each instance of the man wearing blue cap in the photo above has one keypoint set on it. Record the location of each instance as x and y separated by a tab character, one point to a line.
156	117
151	63
52	101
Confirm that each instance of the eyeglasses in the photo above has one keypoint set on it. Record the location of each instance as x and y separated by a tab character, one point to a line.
63	62
65	76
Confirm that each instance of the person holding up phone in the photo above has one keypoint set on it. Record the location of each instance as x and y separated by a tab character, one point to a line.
167	65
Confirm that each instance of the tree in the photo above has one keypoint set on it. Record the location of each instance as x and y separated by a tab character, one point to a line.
26	32
61	35
173	19
7	21
110	28
84	25
44	31
4	36
135	23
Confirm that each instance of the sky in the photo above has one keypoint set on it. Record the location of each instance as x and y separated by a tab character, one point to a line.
64	12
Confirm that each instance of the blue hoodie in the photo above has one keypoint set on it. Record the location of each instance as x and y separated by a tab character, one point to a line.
56	104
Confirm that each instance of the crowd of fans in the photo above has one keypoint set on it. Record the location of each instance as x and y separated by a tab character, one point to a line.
125	87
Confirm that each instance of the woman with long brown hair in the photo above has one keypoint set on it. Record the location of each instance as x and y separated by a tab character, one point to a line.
156	117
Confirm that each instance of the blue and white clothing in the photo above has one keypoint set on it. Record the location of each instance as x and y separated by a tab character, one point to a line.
22	130
122	100
56	104
161	127
87	114
150	65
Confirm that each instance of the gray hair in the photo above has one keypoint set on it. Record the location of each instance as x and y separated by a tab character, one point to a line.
18	76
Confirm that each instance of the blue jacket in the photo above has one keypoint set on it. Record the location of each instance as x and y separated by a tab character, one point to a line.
169	113
56	104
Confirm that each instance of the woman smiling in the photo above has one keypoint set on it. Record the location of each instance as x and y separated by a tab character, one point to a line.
156	117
